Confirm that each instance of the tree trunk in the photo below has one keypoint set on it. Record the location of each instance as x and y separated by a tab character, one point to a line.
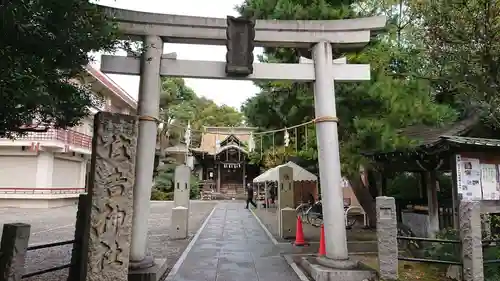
365	199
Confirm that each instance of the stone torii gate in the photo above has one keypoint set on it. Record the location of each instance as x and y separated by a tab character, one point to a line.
154	29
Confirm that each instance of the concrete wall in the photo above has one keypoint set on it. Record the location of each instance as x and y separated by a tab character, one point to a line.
349	195
17	168
22	169
30	201
418	223
67	172
85	127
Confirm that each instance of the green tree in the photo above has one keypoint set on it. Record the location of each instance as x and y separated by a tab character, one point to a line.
180	104
45	44
462	59
163	188
371	112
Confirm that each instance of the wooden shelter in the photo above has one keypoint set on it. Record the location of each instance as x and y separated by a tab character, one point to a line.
441	150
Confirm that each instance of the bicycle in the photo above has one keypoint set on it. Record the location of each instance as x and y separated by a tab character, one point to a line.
302	211
314	216
349	220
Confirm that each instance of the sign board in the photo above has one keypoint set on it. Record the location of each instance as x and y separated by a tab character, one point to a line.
476	180
240	45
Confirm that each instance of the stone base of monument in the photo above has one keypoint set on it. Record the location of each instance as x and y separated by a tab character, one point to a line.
288	220
323	269
179	223
154	273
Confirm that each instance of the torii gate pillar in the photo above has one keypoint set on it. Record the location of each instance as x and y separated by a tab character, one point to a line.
148	111
328	152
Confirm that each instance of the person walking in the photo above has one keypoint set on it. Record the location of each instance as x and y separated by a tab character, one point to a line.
273	194
250	196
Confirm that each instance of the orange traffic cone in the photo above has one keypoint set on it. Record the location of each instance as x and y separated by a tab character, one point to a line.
322	250
299	235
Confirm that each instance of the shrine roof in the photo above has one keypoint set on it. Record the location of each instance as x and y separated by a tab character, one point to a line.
428	135
433	145
213	135
425	137
480	142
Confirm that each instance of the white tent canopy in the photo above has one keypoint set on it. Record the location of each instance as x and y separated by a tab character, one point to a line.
299	174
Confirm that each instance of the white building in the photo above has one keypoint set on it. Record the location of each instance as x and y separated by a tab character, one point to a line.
49	169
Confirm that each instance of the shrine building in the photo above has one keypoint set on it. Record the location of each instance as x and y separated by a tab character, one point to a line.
222	160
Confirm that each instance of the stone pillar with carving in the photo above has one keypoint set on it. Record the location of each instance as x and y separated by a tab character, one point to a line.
387	231
470	235
111	189
15	237
180	212
287	216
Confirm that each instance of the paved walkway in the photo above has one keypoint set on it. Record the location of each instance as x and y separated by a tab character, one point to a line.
234	247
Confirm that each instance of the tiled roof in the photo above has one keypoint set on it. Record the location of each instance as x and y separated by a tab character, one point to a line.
426	135
213	134
472	141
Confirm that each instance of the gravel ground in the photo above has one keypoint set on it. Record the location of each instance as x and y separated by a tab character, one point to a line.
57	224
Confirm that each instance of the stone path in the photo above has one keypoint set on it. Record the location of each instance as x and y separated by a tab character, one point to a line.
233	246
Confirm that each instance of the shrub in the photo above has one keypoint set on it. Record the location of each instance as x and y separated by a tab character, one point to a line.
161	195
452	252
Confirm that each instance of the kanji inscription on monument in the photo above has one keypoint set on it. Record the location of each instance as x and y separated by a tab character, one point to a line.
111	187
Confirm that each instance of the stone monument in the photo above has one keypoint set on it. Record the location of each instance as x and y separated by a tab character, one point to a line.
180	212
470	235
287	215
387	231
111	189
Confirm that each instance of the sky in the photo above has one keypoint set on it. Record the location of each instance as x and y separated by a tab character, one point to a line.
229	92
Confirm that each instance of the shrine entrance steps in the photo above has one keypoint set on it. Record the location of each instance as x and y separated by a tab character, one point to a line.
233	246
230	191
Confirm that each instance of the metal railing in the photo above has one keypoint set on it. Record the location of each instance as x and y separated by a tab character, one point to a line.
13	190
428	260
52	269
68	137
491	243
15	236
445	210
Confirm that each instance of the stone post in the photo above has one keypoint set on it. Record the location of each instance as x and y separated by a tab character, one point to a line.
486	225
287	216
432	203
15	237
387	231
111	190
148	110
328	147
470	235
180	212
82	231
182	177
